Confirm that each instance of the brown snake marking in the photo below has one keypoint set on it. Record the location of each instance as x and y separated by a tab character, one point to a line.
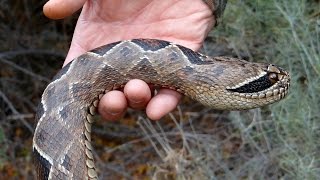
62	141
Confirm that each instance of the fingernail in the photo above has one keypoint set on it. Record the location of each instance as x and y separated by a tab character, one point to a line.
113	113
134	101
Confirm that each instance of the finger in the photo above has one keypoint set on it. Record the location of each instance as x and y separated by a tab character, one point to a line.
138	93
58	9
112	105
164	102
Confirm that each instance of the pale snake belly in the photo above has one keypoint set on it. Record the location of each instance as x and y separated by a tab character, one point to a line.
62	140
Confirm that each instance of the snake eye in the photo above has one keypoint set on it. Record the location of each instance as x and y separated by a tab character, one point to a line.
273	77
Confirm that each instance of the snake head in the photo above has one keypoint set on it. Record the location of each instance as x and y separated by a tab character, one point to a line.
234	84
269	85
270	76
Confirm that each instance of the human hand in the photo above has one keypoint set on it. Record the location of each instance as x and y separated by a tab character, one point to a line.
185	22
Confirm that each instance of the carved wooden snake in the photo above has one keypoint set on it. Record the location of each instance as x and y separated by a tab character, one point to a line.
62	140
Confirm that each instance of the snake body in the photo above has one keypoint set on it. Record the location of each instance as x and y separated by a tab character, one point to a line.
62	141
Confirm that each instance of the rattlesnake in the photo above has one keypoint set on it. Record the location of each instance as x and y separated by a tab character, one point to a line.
62	140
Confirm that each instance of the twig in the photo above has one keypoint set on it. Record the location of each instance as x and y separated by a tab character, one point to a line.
19	116
41	78
110	167
15	112
31	51
7	54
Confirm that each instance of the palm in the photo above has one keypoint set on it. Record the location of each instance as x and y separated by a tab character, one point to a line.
184	22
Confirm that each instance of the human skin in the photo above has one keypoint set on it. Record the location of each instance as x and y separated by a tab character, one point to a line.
185	22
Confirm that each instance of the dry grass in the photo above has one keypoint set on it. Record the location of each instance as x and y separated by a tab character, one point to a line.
274	142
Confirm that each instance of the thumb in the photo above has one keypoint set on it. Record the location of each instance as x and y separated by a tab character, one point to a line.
59	9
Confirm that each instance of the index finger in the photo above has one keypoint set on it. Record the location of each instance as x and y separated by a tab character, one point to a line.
59	9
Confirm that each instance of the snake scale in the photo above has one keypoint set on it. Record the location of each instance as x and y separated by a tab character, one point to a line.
62	140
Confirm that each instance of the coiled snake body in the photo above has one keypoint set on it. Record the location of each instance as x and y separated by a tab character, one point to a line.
62	141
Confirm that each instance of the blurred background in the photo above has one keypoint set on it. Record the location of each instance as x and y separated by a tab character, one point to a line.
280	141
